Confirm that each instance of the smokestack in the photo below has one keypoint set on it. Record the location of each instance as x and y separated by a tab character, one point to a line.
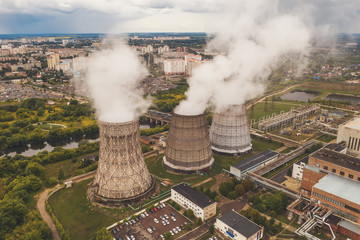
188	144
122	175
229	132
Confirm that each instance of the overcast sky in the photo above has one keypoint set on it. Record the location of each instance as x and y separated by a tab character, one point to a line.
115	16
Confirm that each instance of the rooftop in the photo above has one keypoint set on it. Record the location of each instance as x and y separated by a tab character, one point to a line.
341	187
353	123
338	159
193	195
350	226
255	160
337	147
240	223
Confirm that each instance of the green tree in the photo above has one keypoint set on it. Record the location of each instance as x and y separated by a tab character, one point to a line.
224	189
35	168
103	234
212	229
61	174
199	222
232	195
167	236
240	189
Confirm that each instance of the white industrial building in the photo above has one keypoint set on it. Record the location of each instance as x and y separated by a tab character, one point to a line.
252	163
298	168
187	197
350	133
237	227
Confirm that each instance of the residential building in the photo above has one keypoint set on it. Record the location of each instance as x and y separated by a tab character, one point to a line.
174	66
52	60
189	198
237	227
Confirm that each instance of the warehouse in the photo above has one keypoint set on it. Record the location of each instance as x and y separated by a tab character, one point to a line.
252	163
238	227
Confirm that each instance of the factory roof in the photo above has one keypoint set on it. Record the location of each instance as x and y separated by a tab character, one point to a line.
353	123
341	187
350	226
255	160
193	195
240	223
339	159
337	147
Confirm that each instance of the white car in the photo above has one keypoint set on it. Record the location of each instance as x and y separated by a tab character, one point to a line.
142	215
178	228
174	219
146	214
162	218
149	230
171	232
163	223
156	221
167	222
175	231
162	237
166	216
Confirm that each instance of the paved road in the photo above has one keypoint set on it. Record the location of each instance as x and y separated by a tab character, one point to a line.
43	196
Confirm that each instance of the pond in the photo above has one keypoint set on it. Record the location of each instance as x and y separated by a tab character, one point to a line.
33	150
300	96
343	98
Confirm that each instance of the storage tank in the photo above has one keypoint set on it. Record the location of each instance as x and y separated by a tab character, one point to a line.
122	175
229	132
188	147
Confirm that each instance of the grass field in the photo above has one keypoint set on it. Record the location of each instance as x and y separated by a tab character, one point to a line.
156	167
326	138
69	168
81	219
262	144
271	107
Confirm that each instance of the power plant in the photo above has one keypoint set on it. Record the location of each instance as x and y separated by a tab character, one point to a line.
229	132
188	147
122	176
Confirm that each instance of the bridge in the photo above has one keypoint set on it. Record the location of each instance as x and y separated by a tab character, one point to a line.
158	117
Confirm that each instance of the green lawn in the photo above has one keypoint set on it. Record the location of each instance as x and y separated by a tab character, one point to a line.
79	218
262	144
326	138
156	168
262	109
69	168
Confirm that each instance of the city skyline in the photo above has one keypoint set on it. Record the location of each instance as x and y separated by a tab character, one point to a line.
101	16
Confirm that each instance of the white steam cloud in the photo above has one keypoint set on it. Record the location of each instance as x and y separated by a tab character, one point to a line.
112	78
252	37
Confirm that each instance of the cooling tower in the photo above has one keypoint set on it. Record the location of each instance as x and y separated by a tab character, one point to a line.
229	132
122	175
188	144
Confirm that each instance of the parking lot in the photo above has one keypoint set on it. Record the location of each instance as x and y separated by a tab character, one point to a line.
154	226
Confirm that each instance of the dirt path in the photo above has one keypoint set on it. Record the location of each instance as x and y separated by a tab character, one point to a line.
43	196
203	182
45	215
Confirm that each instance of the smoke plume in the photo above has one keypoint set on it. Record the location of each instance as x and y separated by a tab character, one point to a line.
112	78
251	37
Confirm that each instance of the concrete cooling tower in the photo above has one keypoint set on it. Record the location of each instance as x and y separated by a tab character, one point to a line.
188	144
229	132
122	175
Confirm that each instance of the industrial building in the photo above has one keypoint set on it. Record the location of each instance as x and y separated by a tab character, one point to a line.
332	179
273	122
238	227
298	168
188	147
189	198
350	133
252	163
230	132
122	176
